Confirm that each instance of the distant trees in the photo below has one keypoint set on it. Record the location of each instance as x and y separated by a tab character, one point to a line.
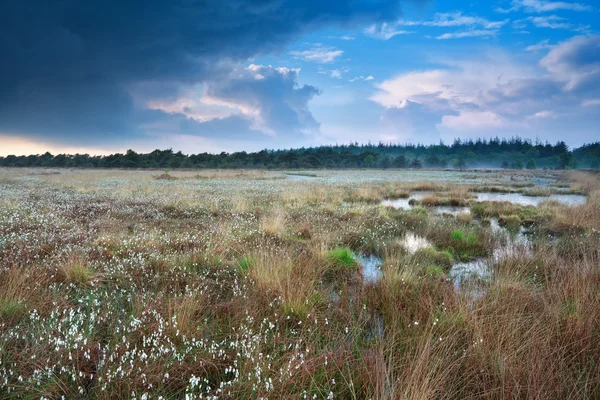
518	164
400	162
460	154
459	163
416	163
386	162
565	160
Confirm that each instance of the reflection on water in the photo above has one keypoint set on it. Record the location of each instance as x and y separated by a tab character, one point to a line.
463	271
370	267
451	210
514	243
403	204
515	198
412	243
518	198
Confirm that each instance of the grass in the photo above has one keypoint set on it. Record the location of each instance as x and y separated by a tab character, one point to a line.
433	260
77	272
342	257
240	284
11	309
245	263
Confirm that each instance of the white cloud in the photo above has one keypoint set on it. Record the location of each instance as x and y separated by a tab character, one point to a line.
543	114
464	34
385	31
334	73
556	22
496	94
591	103
343	37
543	45
454	19
576	62
472	120
540	6
443	20
319	54
361	78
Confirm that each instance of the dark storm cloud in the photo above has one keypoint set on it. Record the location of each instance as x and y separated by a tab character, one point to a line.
67	65
269	95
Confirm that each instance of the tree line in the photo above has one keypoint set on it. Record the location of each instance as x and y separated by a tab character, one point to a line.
515	153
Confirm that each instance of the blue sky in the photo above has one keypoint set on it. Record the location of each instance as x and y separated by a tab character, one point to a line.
262	74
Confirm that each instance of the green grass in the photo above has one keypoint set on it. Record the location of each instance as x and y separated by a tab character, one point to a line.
342	257
245	263
466	246
78	273
11	309
434	259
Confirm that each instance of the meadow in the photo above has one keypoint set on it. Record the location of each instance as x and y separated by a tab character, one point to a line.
348	284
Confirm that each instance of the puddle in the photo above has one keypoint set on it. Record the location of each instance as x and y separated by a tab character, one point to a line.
370	268
518	198
403	204
297	177
463	271
451	210
540	181
515	243
412	243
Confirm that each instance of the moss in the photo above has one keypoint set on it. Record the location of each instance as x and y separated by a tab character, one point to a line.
434	258
466	246
342	257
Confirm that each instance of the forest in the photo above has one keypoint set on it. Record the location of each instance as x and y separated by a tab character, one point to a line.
513	153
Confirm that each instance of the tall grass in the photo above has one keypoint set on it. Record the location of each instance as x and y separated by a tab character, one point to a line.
117	285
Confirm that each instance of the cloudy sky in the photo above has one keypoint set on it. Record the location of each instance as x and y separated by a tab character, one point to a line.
206	75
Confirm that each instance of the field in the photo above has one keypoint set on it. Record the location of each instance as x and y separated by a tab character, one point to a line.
322	284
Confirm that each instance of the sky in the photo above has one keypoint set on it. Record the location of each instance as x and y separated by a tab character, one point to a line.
209	76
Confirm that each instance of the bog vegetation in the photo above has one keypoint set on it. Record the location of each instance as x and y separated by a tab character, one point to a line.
328	285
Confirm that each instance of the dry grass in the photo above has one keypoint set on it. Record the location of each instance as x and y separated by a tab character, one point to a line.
76	270
113	283
273	224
